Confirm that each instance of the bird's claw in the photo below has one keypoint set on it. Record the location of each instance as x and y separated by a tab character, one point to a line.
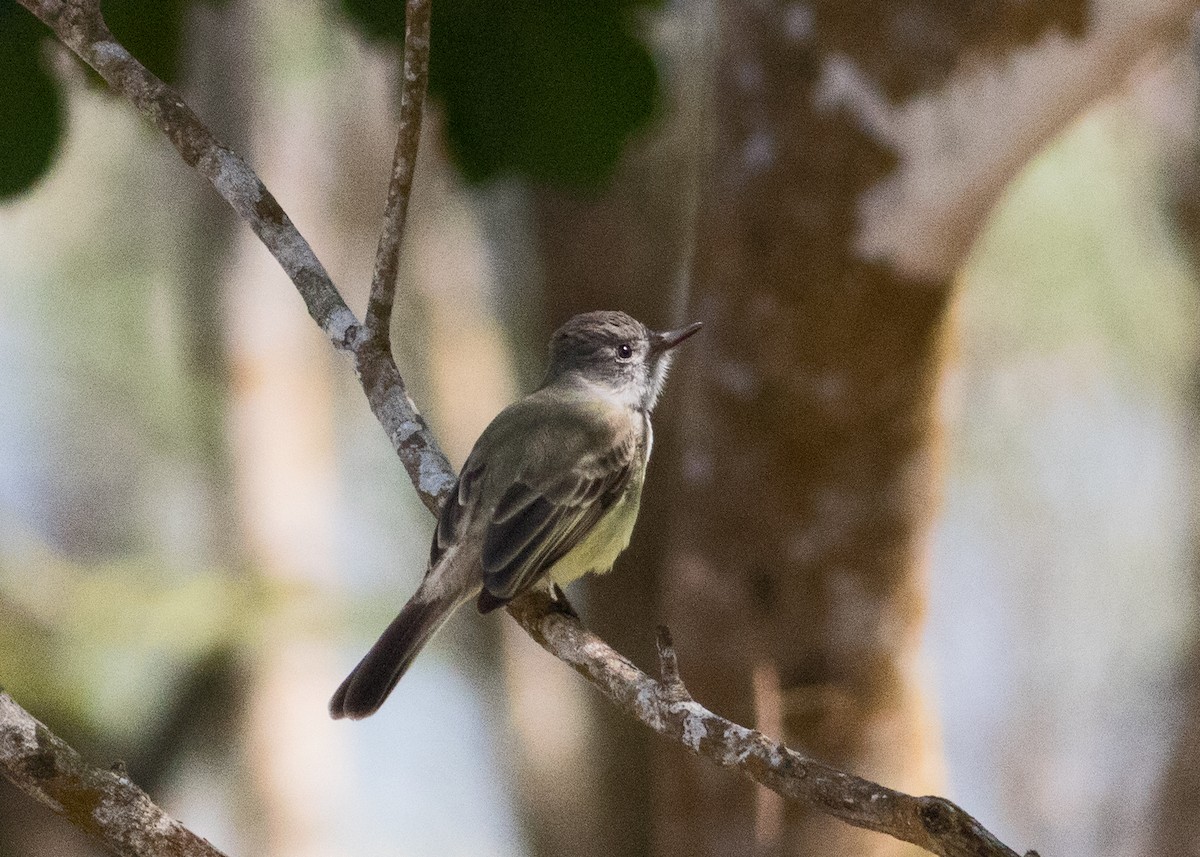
560	602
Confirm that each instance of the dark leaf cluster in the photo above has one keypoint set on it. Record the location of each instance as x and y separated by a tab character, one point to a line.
546	90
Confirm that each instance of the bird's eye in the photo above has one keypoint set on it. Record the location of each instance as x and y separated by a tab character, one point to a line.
624	351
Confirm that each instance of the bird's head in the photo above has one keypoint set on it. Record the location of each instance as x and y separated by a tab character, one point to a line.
617	352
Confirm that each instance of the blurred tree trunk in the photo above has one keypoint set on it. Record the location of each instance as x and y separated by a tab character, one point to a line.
282	438
616	252
859	148
206	703
796	538
1177	824
621	606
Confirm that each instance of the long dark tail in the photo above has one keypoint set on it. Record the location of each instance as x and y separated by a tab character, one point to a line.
369	684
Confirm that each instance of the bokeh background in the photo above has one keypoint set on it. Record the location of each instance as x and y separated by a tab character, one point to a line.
202	527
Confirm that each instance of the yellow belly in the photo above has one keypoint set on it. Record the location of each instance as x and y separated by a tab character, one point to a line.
601	547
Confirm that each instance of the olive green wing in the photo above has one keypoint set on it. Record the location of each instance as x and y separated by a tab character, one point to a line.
573	472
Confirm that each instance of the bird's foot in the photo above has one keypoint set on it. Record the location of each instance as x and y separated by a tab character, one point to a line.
560	602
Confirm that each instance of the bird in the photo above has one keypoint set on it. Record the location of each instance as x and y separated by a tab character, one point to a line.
549	493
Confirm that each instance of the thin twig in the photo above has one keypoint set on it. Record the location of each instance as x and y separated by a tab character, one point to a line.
412	102
51	771
668	668
104	804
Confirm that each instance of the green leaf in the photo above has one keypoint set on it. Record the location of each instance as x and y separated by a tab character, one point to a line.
152	30
551	90
31	112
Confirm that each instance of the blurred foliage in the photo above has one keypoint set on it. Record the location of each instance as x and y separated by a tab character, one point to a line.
152	30
31	114
30	103
1102	262
85	640
550	91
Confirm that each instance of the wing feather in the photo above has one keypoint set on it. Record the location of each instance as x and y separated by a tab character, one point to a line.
532	509
450	517
530	531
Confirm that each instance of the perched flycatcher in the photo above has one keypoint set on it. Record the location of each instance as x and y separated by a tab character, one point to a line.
549	493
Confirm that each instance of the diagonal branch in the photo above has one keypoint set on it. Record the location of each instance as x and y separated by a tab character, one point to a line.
51	771
102	803
933	823
412	102
80	26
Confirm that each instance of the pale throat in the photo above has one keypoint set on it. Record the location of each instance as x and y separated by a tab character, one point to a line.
658	378
636	392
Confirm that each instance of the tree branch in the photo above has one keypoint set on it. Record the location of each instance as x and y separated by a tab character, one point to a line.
80	26
933	823
103	804
110	807
412	101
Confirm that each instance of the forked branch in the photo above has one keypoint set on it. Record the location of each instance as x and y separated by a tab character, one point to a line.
80	26
45	767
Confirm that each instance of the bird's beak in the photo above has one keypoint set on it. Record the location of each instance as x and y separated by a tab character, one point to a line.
665	341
